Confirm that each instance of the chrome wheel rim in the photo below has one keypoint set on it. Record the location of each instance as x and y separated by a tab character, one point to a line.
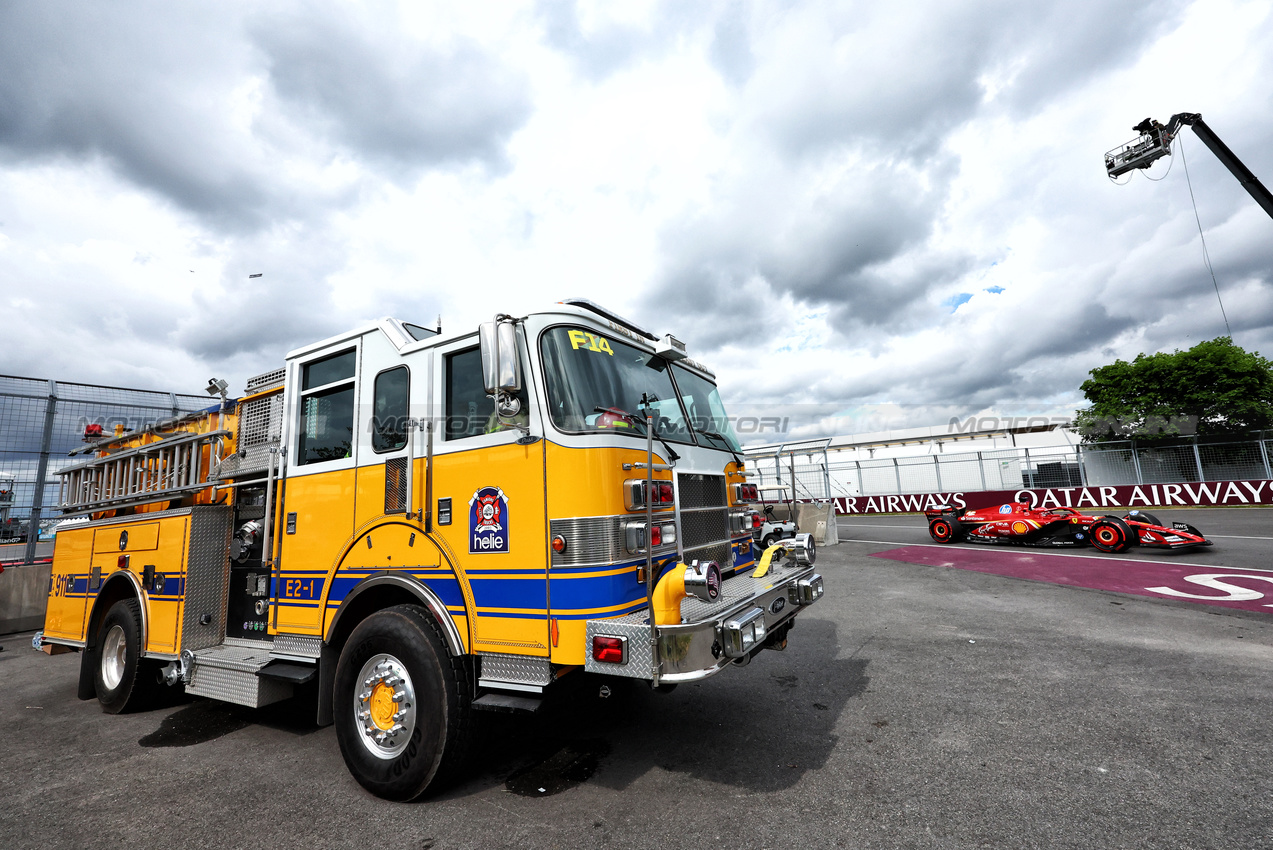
114	657
384	706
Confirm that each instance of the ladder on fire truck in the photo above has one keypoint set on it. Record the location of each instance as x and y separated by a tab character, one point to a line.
167	468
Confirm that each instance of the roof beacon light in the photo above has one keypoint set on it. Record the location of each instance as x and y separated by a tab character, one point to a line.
670	348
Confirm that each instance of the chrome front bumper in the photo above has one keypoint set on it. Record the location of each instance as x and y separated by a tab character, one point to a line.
710	635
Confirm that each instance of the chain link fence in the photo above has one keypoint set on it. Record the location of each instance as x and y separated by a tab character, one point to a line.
817	474
41	421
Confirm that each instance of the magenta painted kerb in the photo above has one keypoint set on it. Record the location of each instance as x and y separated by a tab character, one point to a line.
1250	590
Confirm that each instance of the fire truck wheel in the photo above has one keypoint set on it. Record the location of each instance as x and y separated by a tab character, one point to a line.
121	676
401	705
1110	535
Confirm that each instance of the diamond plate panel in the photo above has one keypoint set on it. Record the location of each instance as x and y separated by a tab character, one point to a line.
207	577
687	650
636	629
296	646
236	686
245	656
522	669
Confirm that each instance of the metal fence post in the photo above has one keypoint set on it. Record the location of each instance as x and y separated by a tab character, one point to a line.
1136	463
1078	454
1264	456
1197	458
897	473
1028	471
937	468
981	467
861	484
41	471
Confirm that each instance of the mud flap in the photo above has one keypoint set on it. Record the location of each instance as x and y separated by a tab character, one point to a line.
88	666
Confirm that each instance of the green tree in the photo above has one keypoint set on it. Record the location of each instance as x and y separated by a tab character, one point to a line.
1215	387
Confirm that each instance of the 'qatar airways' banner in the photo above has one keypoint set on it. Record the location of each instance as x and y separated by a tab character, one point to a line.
1191	494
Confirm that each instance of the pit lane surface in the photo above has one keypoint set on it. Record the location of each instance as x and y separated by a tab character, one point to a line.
915	706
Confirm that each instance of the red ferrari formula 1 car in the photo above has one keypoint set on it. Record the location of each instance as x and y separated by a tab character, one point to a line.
1018	523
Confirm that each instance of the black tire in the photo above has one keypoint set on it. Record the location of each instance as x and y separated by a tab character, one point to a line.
768	541
1111	534
945	529
123	680
435	691
1141	516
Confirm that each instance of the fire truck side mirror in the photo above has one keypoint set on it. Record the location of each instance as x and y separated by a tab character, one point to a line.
501	370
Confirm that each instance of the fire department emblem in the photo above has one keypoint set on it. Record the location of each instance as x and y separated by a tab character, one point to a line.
488	521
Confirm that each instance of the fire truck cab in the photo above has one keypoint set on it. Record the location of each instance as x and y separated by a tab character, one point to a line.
418	525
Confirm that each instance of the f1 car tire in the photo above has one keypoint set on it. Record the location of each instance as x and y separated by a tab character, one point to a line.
1111	534
946	530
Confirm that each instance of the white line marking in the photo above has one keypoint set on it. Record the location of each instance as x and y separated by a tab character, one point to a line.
1239	537
1040	551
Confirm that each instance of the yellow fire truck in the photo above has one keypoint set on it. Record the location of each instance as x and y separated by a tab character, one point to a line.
421	526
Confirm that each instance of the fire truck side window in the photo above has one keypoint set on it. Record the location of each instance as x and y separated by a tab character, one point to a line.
469	410
327	409
389	418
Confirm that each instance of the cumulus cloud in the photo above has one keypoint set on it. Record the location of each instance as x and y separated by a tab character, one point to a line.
838	206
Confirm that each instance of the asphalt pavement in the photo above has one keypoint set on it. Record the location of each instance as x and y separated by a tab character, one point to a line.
915	706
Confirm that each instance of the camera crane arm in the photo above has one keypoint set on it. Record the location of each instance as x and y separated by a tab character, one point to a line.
1155	142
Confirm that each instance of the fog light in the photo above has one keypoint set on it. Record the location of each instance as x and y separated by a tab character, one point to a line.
611	650
744	633
806	591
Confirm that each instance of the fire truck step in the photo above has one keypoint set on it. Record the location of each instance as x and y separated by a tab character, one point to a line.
229	672
285	671
507	703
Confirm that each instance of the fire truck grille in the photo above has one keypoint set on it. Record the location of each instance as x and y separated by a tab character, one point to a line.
261	421
704	526
396	485
260	426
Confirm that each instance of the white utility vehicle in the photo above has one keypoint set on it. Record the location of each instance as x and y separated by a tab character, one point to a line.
772	529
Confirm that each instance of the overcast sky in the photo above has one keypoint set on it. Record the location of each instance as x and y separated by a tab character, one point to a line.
865	206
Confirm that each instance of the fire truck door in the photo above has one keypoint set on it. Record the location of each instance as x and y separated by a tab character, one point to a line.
318	517
488	504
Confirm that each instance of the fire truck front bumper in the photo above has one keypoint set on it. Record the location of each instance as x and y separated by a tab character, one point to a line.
752	614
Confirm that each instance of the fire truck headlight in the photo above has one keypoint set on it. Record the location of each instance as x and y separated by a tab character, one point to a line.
806	591
741	634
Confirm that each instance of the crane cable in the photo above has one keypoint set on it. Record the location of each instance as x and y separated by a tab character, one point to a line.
1206	255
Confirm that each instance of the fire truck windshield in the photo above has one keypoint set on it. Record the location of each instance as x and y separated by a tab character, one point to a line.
595	382
706	411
